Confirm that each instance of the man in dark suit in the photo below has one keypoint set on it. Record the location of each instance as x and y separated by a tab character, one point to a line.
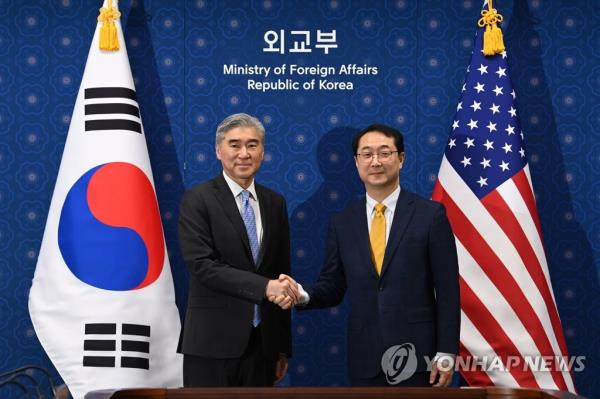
394	253
234	238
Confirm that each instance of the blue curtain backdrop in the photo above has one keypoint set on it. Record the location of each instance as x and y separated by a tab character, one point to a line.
177	50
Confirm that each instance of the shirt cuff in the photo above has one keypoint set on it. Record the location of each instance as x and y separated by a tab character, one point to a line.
304	297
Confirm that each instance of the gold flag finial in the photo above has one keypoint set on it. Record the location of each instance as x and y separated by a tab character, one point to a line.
493	42
109	39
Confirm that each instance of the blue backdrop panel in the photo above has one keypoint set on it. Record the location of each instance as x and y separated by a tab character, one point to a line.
177	51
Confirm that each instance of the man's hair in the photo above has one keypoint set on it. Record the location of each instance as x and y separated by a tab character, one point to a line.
387	131
239	120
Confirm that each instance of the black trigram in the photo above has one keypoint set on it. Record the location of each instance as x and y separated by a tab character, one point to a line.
111	108
106	349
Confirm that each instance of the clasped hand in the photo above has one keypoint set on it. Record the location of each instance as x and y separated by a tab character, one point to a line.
283	292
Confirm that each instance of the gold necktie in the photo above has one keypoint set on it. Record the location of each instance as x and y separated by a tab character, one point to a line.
377	237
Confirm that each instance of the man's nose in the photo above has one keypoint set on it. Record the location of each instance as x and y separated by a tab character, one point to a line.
244	153
375	160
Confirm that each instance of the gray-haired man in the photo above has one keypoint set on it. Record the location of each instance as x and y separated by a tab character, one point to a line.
234	237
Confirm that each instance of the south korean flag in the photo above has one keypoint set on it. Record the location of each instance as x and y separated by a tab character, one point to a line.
102	300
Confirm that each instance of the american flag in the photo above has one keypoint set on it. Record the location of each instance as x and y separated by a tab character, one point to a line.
508	311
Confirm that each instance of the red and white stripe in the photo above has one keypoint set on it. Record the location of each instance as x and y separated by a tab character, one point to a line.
508	308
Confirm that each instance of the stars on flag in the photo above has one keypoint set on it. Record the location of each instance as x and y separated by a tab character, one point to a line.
476	106
485	145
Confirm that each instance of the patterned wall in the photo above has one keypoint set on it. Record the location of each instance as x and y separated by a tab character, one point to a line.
421	48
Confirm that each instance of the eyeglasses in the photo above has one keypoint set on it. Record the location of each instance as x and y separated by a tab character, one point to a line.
383	156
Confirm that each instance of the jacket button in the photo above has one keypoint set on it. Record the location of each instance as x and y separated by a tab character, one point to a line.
380	288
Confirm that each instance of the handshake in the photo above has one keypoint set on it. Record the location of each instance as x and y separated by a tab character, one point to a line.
285	292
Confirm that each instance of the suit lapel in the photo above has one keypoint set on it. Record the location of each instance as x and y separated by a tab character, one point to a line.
227	201
361	229
402	216
266	221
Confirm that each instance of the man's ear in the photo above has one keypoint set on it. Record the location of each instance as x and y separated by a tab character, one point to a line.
401	158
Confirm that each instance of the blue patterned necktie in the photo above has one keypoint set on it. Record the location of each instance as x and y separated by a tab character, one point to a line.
250	222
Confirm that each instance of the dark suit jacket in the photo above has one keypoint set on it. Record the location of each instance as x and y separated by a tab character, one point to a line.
415	300
224	281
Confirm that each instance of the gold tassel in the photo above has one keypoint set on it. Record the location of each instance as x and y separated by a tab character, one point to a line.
109	39
487	41
499	42
493	42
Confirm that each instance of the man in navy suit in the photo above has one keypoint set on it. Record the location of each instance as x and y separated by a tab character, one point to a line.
394	254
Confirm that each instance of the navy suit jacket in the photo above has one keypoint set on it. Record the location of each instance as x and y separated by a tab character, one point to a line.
416	298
